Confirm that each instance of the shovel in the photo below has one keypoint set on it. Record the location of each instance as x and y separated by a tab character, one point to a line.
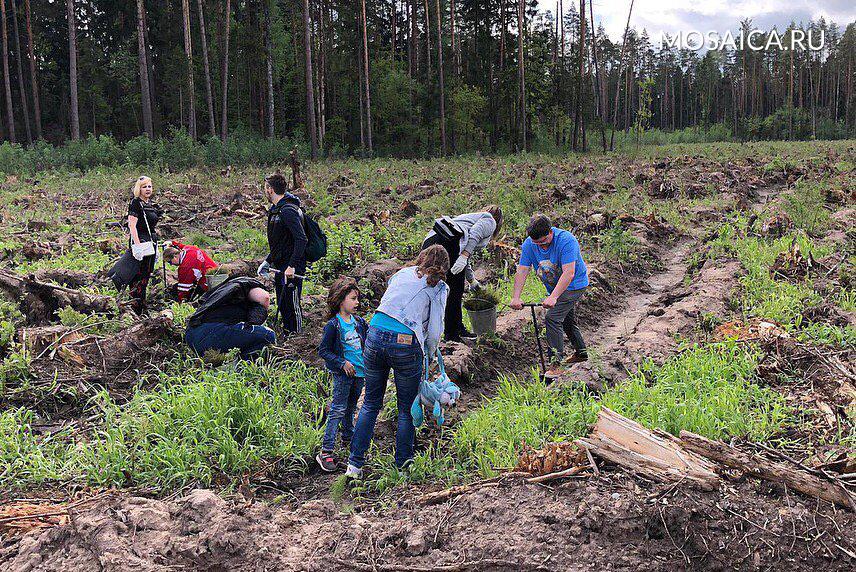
532	307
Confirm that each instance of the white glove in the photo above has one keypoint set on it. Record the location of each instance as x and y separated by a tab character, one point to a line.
459	265
264	269
137	251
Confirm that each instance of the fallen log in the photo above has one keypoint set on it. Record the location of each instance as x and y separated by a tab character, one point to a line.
140	336
67	278
656	455
39	300
767	470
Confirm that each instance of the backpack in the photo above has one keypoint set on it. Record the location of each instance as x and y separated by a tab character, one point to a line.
316	240
447	229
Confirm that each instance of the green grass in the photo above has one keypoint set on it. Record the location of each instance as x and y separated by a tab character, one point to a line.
10	318
710	390
197	425
250	243
618	245
26	458
523	410
762	295
77	258
806	207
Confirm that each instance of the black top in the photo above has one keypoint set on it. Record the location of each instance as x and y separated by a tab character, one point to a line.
229	303
227	313
152	213
286	235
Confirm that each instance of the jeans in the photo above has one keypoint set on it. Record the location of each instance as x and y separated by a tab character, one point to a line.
453	323
346	392
561	320
247	338
382	353
288	303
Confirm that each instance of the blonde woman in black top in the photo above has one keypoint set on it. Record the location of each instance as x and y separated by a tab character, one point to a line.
143	216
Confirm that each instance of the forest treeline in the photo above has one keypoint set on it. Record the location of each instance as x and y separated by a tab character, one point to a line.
389	77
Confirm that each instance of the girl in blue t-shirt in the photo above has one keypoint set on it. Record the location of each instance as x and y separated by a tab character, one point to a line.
341	348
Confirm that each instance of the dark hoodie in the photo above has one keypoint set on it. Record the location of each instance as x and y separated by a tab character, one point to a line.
286	235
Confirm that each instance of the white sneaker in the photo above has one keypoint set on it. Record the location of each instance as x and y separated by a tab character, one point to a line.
353	472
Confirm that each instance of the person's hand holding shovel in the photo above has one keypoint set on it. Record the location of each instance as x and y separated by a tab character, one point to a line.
549	301
516	304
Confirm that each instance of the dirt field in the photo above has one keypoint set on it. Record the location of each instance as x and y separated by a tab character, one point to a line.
722	303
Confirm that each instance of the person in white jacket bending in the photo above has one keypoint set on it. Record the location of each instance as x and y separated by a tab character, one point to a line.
403	337
469	234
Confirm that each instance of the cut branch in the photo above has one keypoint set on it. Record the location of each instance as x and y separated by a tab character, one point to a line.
798	480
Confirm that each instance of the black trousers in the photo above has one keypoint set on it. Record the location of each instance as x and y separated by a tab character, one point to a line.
454	320
288	303
137	287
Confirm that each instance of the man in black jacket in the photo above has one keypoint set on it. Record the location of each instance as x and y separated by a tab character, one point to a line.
287	241
231	316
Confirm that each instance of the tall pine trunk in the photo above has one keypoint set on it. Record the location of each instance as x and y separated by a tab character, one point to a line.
310	89
269	69
440	74
521	72
188	55
34	82
7	84
23	94
224	70
366	80
209	96
74	117
393	14
455	41
411	37
600	108
145	89
579	119
619	78
428	37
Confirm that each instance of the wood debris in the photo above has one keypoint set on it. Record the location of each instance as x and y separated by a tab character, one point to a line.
551	458
656	455
795	478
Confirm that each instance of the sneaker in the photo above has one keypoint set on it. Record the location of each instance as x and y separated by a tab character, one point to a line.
554	372
466	334
326	461
353	472
577	358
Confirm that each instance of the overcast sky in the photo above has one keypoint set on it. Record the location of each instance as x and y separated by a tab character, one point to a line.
672	16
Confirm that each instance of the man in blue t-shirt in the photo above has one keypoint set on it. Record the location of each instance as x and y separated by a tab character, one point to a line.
555	255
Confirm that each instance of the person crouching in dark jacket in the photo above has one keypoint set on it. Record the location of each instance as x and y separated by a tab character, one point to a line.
341	349
287	241
231	316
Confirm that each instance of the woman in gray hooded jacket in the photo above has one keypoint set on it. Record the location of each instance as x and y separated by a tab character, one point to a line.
476	231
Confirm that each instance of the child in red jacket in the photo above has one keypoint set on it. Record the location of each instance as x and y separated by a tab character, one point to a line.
193	264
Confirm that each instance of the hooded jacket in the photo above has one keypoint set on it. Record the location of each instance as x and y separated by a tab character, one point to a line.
420	307
286	235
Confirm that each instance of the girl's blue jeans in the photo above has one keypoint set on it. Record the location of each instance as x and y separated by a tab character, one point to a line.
346	392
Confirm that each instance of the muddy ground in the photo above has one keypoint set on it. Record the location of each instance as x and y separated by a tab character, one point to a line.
610	521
